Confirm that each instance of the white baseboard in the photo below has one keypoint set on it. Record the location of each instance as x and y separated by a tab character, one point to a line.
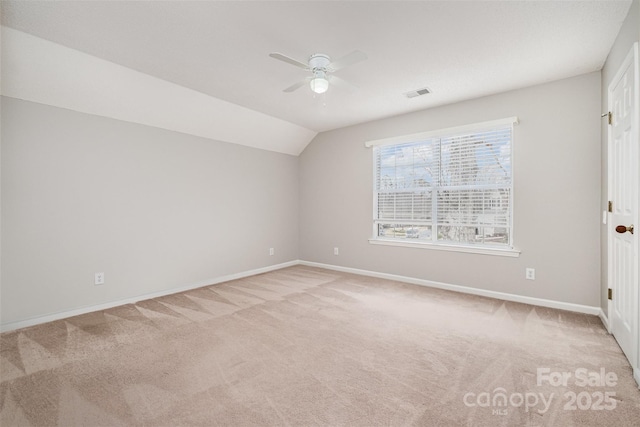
636	376
605	320
586	309
12	326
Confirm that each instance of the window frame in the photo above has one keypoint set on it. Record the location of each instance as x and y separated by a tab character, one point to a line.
506	250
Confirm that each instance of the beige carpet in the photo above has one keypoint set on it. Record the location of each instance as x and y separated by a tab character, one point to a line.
303	347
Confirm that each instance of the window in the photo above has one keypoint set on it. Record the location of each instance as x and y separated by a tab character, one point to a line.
451	187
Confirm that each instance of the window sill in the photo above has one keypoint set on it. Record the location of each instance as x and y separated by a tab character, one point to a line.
451	248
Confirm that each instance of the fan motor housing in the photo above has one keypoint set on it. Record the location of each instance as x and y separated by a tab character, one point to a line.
319	61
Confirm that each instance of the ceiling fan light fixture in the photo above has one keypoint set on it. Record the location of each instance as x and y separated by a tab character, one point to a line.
319	84
321	67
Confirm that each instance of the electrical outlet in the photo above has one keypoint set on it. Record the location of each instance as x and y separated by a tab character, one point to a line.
271	251
336	251
99	279
530	273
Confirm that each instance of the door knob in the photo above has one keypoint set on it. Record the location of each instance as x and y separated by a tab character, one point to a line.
623	229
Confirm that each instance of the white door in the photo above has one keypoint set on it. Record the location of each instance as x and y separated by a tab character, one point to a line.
623	193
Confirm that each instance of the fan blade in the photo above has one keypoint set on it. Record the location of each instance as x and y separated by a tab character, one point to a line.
296	86
352	58
342	84
291	61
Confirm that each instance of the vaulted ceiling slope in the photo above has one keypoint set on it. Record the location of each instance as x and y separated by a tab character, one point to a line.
204	67
37	70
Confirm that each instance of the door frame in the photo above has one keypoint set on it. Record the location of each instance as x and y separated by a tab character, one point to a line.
631	59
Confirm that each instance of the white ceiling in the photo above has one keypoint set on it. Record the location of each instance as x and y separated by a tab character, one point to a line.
459	49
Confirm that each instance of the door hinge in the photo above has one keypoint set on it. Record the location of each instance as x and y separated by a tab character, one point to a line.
610	207
610	294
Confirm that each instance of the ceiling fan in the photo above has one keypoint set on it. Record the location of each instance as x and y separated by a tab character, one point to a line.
321	68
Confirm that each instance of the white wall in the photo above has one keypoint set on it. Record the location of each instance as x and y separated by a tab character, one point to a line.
629	34
157	210
557	195
152	209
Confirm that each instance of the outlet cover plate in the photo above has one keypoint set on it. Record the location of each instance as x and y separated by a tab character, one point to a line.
530	273
99	279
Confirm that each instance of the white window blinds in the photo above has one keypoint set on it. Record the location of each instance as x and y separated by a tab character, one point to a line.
453	189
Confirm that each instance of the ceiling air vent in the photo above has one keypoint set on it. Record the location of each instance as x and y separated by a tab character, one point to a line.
418	92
